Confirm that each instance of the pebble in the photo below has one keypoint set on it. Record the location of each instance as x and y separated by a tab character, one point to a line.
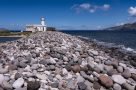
118	79
18	83
1	78
76	68
128	86
58	61
126	74
82	86
96	85
120	69
117	87
133	76
106	81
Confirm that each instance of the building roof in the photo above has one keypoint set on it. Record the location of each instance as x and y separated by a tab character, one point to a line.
35	25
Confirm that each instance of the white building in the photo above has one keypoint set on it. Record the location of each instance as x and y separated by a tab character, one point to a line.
37	27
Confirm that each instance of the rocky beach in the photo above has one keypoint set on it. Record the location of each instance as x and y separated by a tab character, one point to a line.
57	61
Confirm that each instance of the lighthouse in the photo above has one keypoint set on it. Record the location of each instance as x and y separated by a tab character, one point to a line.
43	21
37	27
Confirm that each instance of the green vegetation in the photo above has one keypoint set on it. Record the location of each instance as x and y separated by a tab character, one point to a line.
9	33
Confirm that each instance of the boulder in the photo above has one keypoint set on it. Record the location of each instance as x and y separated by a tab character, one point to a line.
106	81
118	79
18	83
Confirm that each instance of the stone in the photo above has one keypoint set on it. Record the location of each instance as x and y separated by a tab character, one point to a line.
3	70
108	68
54	85
80	79
108	62
35	66
6	85
115	64
85	76
24	88
120	69
117	87
33	85
71	84
64	71
96	85
12	67
52	67
128	86
94	52
76	68
126	74
118	79
88	84
18	83
17	75
106	81
41	76
112	72
133	76
22	64
123	65
1	78
65	58
82	86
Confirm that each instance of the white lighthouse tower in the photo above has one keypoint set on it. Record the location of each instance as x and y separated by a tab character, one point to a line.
37	27
43	21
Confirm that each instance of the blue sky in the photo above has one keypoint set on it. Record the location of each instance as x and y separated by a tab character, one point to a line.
67	14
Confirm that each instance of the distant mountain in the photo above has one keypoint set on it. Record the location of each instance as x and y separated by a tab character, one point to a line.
129	26
3	29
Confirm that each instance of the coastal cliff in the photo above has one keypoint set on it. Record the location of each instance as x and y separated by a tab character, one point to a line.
57	61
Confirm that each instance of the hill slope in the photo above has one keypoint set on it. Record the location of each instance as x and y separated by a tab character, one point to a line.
129	26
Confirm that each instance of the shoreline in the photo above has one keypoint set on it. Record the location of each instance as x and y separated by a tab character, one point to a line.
20	36
59	61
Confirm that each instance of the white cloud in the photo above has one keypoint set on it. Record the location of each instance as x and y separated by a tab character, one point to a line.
85	6
106	6
89	7
132	11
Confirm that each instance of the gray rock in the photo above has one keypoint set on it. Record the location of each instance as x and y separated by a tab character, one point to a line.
80	79
108	68
126	74
118	79
1	78
112	72
6	85
91	79
54	85
133	76
33	85
22	64
108	62
120	69
116	87
3	70
71	84
21	88
18	83
128	86
88	84
52	67
96	85
82	86
115	64
17	75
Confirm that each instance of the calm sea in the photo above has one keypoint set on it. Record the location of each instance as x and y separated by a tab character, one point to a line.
126	38
5	39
